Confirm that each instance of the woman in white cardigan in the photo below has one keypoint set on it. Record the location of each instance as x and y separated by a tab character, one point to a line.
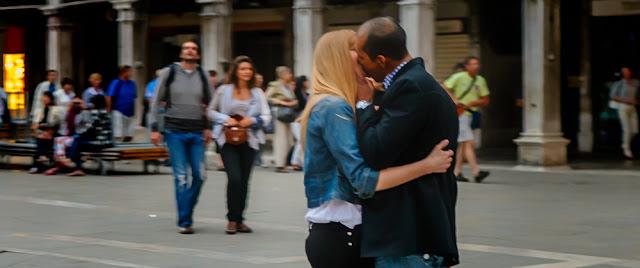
45	123
239	104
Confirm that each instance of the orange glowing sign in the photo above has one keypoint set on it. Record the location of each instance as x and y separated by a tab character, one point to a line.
14	79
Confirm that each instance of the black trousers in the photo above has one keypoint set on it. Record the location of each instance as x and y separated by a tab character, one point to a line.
333	245
44	147
238	163
146	107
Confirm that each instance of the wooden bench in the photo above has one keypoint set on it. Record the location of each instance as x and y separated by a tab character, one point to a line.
148	153
5	132
16	131
17	149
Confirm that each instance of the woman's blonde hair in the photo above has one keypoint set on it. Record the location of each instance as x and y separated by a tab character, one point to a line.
95	77
280	70
333	73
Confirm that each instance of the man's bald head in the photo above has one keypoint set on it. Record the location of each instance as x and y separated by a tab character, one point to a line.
384	36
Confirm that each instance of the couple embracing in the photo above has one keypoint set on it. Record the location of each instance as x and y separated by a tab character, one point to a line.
378	179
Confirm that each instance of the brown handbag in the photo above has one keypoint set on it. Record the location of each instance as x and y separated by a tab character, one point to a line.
236	135
460	109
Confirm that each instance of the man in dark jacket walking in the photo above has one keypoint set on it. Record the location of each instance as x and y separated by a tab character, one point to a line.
396	127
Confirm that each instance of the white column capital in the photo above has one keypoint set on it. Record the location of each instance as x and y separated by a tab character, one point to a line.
126	13
214	8
49	10
208	2
308	4
122	4
54	21
427	3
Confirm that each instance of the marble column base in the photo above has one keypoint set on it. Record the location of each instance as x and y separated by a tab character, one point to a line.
542	149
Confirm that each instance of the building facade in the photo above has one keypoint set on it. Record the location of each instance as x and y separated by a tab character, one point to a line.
536	50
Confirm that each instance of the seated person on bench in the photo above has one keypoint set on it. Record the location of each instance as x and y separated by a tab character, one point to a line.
66	133
46	121
86	130
93	133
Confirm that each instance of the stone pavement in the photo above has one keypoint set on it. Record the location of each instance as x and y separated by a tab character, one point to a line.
516	219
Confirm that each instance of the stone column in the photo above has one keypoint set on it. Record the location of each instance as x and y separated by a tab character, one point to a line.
585	136
215	36
59	43
127	36
418	18
308	26
541	143
140	56
126	20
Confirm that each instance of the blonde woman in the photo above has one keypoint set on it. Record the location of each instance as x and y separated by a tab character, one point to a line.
336	176
95	79
283	101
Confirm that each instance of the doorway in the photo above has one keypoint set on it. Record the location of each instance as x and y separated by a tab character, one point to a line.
265	47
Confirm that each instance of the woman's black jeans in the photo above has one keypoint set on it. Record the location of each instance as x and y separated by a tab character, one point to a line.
333	245
238	163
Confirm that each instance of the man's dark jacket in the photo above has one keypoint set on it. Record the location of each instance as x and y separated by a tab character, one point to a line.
414	115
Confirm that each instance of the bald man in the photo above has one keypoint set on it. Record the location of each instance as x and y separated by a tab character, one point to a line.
398	126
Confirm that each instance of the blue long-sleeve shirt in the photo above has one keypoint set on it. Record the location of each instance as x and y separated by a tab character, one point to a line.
125	94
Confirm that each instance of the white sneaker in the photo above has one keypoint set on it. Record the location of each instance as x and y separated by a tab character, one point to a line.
628	154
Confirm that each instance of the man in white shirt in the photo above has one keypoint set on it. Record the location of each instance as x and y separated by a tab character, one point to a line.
64	95
48	85
624	98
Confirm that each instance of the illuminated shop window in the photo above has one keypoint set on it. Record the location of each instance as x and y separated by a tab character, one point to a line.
14	80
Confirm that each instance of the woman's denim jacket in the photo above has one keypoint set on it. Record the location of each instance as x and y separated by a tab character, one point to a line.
334	168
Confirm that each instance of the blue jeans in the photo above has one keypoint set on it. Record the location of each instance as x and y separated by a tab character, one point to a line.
186	149
412	261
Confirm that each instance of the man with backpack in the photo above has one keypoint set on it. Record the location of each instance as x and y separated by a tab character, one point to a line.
185	92
121	101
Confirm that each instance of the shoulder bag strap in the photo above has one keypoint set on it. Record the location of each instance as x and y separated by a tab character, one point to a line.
466	92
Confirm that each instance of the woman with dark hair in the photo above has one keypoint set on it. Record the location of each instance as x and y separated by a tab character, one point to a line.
93	133
239	111
65	94
46	120
67	135
301	88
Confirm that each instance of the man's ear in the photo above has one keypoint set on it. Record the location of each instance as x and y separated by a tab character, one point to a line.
381	60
